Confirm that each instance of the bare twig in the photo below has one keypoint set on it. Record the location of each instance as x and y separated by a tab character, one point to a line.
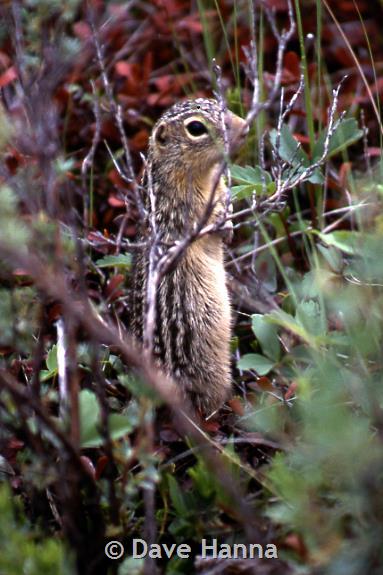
62	369
129	176
346	211
89	158
220	96
298	175
252	66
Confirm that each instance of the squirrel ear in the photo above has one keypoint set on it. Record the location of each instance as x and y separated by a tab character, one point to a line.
160	135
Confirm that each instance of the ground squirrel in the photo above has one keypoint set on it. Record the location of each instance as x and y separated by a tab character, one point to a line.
193	322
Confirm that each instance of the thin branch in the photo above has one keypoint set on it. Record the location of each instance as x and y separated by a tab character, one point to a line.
252	69
347	211
62	370
89	158
129	176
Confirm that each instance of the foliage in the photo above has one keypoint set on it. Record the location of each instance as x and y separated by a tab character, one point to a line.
328	478
119	425
92	452
23	550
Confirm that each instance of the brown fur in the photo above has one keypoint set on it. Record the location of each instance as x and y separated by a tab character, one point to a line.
193	327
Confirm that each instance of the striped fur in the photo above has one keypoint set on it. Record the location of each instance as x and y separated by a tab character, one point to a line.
193	322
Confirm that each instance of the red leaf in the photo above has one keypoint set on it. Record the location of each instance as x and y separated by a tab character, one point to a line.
302	138
295	542
11	449
191	23
20	272
115	202
210	426
265	384
375	152
292	64
100	465
344	172
116	179
279	5
112	288
82	30
292	390
55	311
140	140
147	68
4	60
124	68
236	406
160	100
8	77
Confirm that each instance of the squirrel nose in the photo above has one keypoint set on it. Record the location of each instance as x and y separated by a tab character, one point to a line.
237	129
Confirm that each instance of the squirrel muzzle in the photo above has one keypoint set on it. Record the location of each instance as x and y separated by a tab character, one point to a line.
237	130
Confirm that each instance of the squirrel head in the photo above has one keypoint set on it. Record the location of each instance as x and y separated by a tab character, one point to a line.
189	137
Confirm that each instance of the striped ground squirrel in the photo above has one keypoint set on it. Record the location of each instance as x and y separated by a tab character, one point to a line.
193	320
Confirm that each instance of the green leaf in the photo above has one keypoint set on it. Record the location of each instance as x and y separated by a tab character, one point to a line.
120	425
5	128
13	231
346	134
181	528
64	165
344	240
90	417
255	361
316	177
332	256
289	149
291	152
51	361
137	387
251	180
308	315
8	202
267	335
122	260
177	497
131	566
301	353
52	365
24	548
202	479
45	374
292	324
249	174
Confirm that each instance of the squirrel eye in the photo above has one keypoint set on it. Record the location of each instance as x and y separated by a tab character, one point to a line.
196	128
